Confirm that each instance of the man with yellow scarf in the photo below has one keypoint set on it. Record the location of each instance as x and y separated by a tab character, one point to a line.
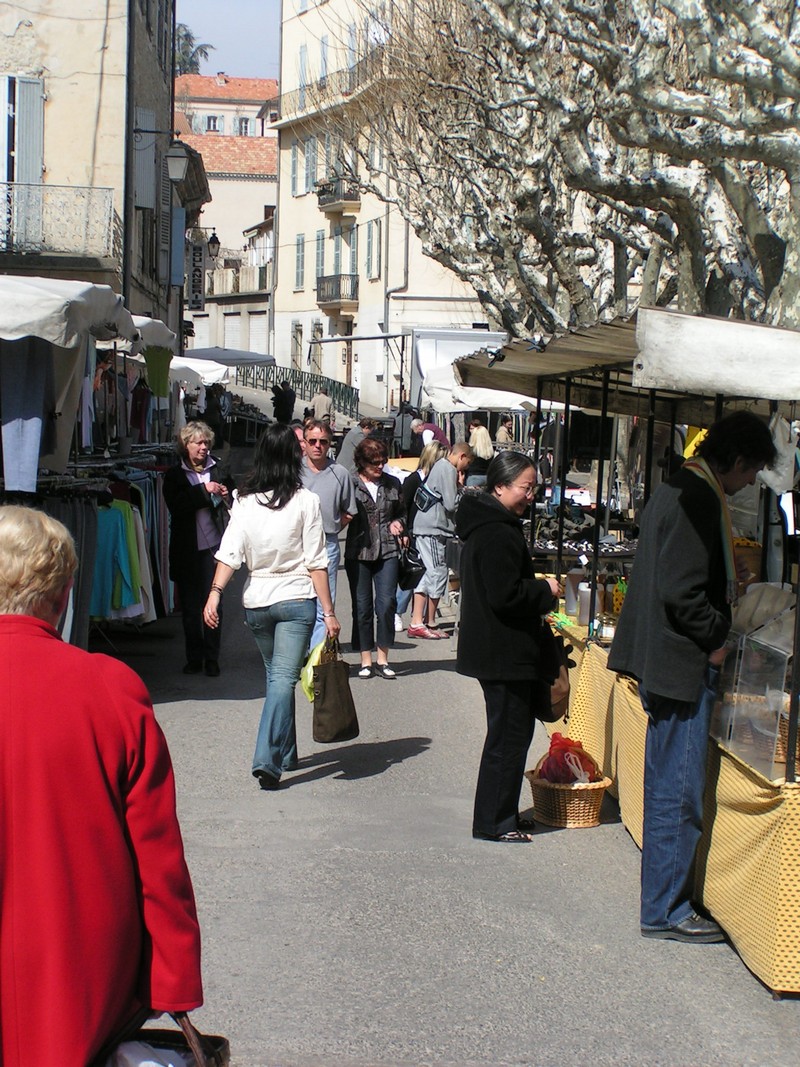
670	638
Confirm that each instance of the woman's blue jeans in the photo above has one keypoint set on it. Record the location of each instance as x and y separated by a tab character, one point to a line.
281	631
676	752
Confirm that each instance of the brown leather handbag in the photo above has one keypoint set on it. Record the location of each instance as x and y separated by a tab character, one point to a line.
334	716
208	1051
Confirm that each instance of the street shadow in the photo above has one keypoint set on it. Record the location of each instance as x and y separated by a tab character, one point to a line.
355	761
402	669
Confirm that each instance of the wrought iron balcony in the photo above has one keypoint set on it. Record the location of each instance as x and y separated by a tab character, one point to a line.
337	195
337	291
58	219
226	281
335	88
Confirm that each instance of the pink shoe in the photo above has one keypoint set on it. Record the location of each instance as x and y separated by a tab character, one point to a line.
422	632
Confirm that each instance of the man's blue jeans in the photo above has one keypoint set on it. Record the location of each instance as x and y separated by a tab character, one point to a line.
332	546
281	632
676	752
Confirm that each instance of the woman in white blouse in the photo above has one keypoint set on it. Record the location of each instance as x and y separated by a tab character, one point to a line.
276	530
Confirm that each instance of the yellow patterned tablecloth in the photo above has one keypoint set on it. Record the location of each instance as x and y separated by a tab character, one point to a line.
748	871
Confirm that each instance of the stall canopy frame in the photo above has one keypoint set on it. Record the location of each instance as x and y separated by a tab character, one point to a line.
646	353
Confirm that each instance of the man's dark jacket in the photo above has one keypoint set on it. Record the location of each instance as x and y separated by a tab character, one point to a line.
675	612
502	603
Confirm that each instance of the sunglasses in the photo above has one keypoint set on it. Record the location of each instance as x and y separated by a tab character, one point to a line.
317	441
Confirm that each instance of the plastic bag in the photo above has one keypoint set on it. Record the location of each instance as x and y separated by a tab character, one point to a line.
307	673
568	761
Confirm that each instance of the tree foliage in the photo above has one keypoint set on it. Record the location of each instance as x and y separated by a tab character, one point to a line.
188	52
567	157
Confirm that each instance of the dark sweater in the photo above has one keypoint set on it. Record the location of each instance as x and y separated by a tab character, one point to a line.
502	603
675	611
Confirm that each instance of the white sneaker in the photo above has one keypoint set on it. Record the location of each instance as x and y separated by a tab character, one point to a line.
398	625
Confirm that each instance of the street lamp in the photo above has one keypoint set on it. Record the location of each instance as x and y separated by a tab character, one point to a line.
213	245
177	161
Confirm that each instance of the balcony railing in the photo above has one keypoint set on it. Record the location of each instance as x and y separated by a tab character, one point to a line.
338	194
228	280
335	86
337	289
76	220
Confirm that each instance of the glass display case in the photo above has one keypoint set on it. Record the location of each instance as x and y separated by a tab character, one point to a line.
751	712
753	707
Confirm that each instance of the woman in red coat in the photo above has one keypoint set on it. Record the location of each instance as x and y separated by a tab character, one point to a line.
96	906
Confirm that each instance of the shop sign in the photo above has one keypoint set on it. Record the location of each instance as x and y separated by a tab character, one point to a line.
197	277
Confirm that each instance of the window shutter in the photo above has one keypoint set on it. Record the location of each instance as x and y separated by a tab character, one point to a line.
5	148
300	261
30	131
320	253
294	168
354	250
370	238
144	156
376	257
337	250
258	332
311	163
164	224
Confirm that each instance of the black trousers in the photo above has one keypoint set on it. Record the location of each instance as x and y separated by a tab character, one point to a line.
194	586
510	718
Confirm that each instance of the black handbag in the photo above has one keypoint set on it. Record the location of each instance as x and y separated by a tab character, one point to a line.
334	717
207	1050
411	568
554	664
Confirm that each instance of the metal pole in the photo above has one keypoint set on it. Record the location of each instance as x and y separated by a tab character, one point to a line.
598	504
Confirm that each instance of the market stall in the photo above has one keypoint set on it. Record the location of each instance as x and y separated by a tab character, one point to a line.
48	330
677	368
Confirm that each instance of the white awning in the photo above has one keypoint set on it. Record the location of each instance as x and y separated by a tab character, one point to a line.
229	357
445	393
61	312
700	354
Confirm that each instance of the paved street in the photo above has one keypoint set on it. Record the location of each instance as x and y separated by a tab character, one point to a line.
350	919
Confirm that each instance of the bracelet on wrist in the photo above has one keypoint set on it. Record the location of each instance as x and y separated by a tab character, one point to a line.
329	614
217	589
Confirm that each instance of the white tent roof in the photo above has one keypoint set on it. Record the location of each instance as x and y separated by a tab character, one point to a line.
198	371
154	333
442	390
61	312
194	371
705	355
229	357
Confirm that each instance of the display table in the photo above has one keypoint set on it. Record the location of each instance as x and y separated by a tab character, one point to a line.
748	863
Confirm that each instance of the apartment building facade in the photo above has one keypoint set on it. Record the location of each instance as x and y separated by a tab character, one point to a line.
349	271
85	191
222	117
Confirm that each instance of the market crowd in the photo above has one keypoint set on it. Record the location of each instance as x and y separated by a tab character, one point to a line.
91	857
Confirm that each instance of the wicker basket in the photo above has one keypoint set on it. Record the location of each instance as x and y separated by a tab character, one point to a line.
570	806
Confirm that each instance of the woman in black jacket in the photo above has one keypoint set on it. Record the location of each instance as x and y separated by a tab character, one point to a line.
197	500
371	556
502	605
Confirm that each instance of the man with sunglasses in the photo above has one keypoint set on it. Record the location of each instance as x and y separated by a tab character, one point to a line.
333	485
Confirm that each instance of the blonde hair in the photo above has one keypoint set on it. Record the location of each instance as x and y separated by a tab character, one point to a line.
480	442
430	454
200	430
37	562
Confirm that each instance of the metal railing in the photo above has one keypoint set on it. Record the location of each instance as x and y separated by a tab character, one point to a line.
344	397
337	289
338	85
227	280
337	191
73	219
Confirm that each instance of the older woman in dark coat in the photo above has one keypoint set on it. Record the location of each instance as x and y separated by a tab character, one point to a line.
198	500
499	639
371	555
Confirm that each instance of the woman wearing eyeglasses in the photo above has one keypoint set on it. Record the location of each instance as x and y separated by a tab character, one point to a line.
337	497
502	604
371	556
